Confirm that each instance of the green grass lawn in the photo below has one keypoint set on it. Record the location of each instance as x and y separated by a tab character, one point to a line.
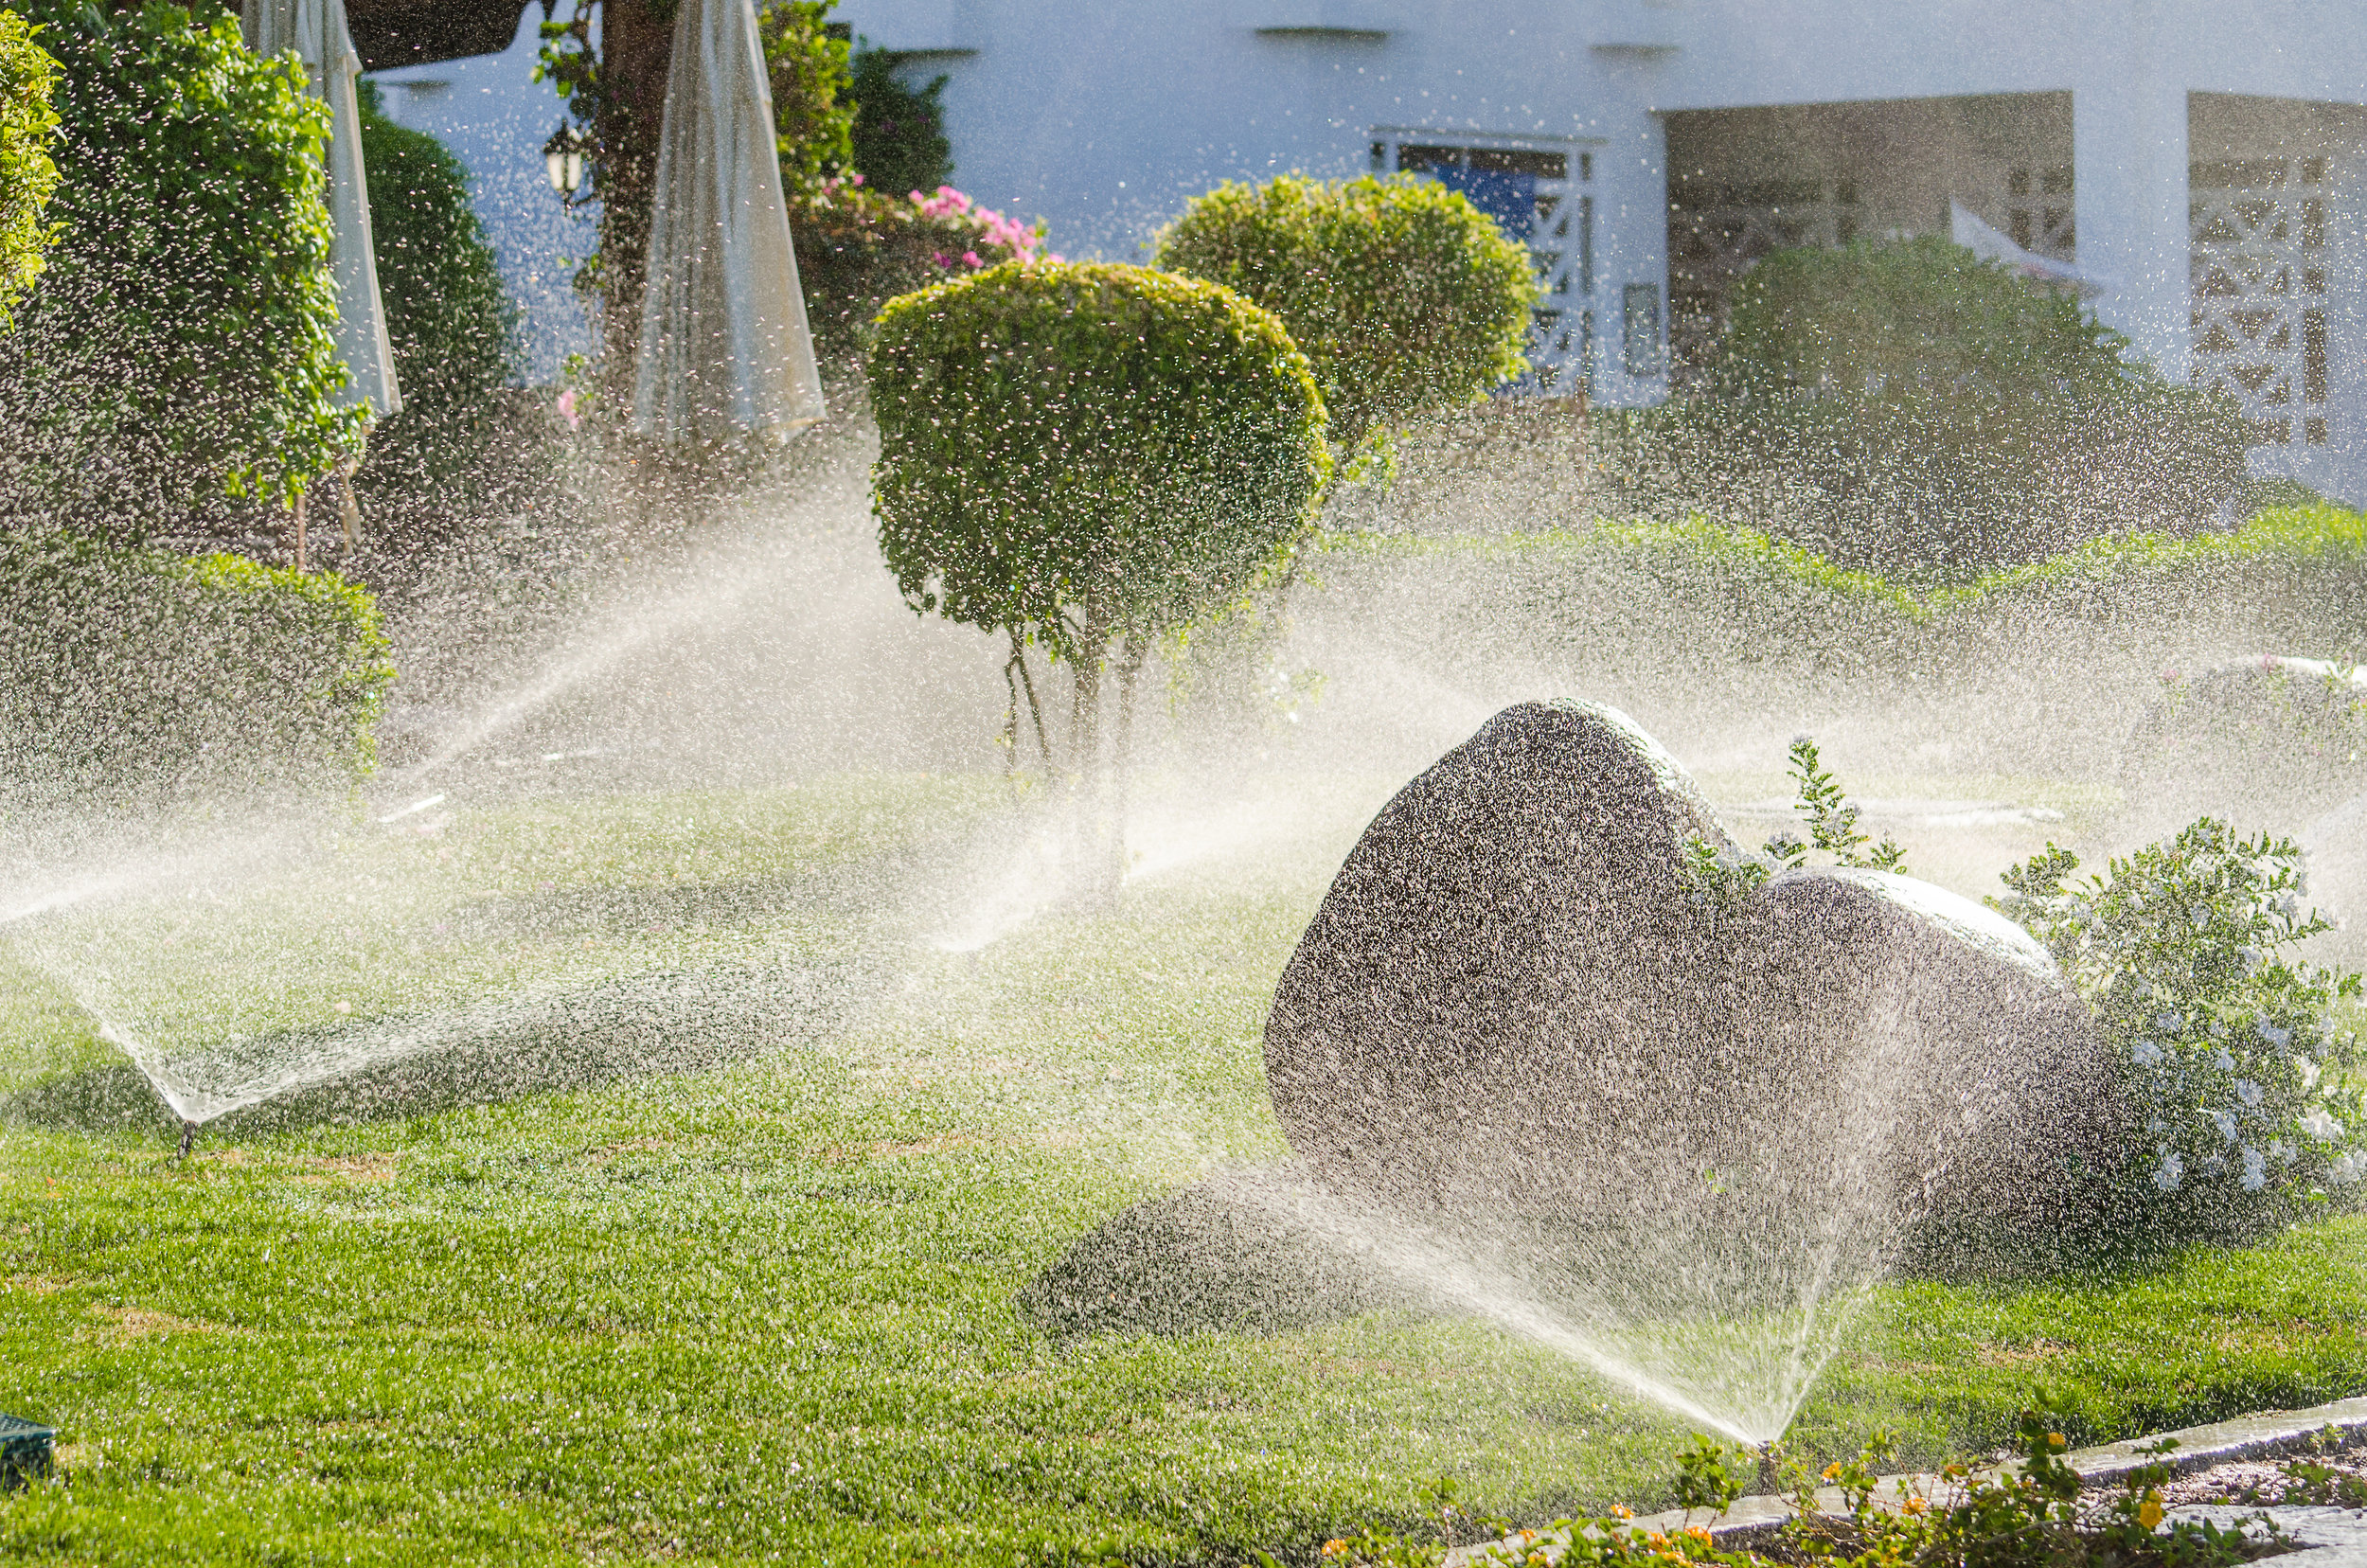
766	1310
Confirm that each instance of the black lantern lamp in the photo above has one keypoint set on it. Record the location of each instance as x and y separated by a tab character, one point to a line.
564	157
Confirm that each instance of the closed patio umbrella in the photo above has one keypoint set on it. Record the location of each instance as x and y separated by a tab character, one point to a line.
316	29
725	346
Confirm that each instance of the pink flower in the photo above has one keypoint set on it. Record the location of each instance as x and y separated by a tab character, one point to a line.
972	256
567	409
854	179
1056	258
940	258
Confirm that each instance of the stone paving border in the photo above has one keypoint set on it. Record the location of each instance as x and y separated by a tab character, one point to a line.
1756	1519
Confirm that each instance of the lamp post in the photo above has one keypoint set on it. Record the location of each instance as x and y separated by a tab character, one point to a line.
563	158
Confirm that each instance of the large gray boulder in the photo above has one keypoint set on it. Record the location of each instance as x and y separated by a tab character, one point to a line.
1517	1003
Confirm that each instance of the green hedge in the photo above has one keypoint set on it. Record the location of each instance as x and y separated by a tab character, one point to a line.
2050	662
463	444
131	671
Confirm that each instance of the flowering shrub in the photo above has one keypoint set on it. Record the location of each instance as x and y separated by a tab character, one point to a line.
2230	1049
2030	1515
859	247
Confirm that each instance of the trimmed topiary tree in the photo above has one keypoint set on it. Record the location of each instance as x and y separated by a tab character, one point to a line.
179	346
1405	298
28	123
1088	455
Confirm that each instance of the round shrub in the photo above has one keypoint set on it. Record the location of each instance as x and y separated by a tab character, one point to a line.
1888	317
179	344
1405	297
1088	452
1903	405
28	124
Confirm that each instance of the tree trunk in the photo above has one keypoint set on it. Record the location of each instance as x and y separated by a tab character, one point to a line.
1085	750
1130	666
1035	709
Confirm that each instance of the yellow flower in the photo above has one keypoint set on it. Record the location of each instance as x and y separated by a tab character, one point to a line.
1619	1512
2149	1513
2055	1439
1335	1549
1914	1505
1832	1470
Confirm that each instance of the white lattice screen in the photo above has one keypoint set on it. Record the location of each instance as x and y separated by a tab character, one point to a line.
2260	258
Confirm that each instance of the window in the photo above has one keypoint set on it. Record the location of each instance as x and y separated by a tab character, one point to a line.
1639	328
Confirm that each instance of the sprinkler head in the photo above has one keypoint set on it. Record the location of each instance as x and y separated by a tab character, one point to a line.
1770	1480
188	1136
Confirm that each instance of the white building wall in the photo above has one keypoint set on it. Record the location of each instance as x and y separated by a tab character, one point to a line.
1104	119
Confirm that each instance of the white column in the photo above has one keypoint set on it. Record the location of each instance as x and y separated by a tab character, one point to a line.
1632	257
2129	155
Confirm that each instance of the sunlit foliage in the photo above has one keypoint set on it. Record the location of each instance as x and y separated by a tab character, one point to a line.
1405	297
28	124
810	109
2242	1079
179	344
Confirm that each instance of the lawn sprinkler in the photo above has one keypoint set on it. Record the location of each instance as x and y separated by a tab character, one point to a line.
188	1136
25	1449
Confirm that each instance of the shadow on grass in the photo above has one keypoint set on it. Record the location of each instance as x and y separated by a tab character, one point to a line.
681	1021
1202	1259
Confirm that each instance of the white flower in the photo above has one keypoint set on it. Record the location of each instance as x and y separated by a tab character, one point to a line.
2169	1023
2255	1170
2283	1151
2146	1053
2223	1062
2225	1122
2310	1072
2274	1035
2171	1171
2247	1091
2252	959
2320	1126
2344	1170
2218	1030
